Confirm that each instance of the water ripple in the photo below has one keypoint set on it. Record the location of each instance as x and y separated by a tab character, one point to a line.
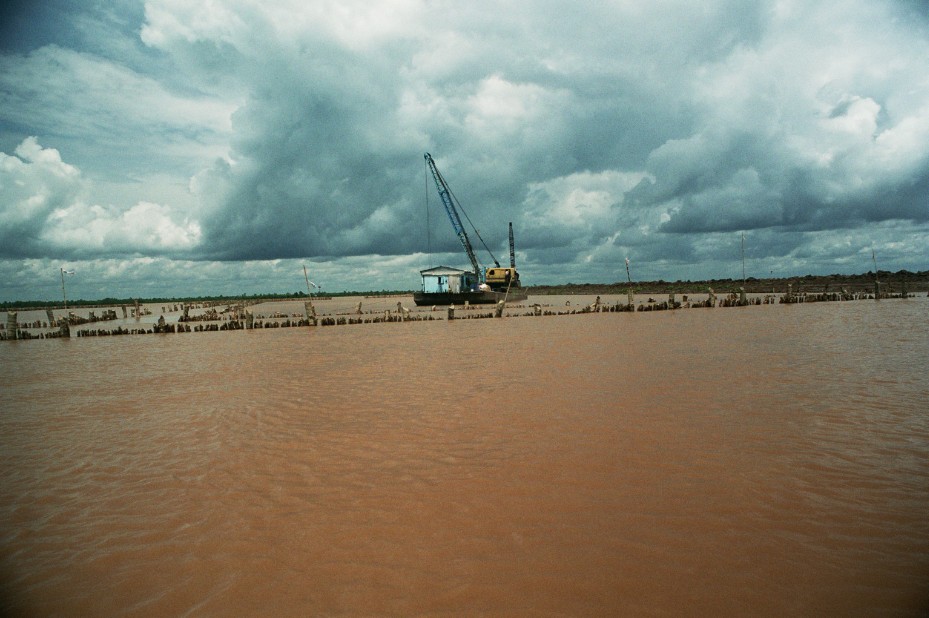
599	464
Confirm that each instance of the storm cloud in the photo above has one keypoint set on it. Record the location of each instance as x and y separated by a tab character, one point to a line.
234	139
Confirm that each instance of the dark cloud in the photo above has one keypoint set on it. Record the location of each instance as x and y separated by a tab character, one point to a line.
232	132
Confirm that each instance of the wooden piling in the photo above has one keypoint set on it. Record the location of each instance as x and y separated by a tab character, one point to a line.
310	313
11	325
498	312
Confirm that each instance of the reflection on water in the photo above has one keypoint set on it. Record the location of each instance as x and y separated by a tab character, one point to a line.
769	460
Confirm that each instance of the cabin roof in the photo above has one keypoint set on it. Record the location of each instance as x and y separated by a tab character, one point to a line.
437	271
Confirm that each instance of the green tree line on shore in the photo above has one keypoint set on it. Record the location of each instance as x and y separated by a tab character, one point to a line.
890	281
111	302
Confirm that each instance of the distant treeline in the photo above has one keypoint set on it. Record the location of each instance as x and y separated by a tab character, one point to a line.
890	281
116	302
914	282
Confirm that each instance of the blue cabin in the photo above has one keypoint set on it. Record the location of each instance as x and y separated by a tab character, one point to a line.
442	279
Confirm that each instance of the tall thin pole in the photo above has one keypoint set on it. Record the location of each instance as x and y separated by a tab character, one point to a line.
307	277
64	297
629	293
512	248
743	259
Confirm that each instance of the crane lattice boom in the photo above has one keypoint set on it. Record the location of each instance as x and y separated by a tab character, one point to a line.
446	195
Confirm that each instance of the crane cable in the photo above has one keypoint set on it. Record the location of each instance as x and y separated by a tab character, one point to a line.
460	207
478	234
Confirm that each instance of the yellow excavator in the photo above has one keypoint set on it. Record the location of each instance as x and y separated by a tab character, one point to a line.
500	279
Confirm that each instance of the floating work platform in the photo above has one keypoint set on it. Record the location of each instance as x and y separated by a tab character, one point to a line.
451	286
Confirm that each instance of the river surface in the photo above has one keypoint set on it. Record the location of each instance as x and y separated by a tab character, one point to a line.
764	461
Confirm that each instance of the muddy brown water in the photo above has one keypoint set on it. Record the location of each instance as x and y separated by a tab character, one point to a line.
767	460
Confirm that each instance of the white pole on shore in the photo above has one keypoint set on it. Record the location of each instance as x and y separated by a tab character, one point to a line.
629	293
743	259
64	297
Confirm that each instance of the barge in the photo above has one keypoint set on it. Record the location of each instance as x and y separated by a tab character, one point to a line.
443	285
480	286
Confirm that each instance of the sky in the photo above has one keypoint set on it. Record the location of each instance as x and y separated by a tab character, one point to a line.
174	148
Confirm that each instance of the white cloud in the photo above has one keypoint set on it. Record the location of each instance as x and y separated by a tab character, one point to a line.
582	209
44	212
33	182
819	121
144	227
508	116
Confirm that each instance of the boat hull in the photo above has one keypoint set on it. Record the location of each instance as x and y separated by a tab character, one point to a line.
426	299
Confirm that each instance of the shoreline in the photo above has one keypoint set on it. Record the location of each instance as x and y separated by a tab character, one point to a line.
295	312
891	283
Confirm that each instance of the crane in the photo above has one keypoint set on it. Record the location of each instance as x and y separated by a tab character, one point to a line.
447	200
